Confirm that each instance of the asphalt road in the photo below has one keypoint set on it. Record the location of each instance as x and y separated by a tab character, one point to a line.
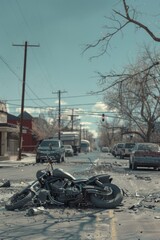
137	219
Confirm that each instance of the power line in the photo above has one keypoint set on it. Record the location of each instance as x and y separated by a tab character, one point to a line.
54	106
46	98
14	73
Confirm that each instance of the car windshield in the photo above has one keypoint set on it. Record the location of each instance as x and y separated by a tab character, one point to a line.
148	147
47	143
130	145
68	146
120	145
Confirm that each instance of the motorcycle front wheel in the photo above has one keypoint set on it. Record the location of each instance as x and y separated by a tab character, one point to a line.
108	201
19	200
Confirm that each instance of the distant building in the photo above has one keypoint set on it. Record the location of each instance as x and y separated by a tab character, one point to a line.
29	141
8	134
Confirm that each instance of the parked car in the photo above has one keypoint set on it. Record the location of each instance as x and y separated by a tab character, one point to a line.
145	155
68	150
125	151
53	148
117	149
113	150
105	149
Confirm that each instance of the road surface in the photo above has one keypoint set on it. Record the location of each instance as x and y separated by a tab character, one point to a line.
138	218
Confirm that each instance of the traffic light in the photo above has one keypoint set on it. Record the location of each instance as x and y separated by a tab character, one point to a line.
103	117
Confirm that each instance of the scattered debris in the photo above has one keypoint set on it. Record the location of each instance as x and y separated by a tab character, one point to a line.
135	206
36	211
117	164
149	206
143	178
5	184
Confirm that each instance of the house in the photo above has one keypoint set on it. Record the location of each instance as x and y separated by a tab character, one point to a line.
29	141
8	134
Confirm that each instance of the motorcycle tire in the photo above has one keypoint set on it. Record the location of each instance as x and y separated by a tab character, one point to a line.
110	201
19	200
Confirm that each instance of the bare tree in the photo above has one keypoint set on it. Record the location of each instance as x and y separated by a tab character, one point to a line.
135	91
119	21
136	98
110	133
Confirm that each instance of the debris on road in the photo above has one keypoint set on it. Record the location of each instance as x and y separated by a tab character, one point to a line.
36	211
5	184
143	178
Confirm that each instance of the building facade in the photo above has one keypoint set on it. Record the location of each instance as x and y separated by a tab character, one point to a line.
29	141
8	134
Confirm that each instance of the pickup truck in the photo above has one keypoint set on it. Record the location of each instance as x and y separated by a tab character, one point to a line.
145	155
53	148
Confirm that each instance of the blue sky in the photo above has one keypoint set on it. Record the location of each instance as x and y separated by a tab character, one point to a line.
62	28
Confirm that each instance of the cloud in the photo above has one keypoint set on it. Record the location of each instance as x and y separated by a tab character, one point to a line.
86	124
100	106
35	111
94	132
62	102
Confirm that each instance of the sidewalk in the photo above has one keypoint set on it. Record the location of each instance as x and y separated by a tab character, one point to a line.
25	158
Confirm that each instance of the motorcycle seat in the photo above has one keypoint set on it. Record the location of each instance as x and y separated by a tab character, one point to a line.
59	172
79	180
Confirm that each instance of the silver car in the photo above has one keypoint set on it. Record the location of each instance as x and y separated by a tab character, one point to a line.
68	151
145	155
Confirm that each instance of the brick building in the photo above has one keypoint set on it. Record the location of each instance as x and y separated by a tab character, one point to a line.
29	141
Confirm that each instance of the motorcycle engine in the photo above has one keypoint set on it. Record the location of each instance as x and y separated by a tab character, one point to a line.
69	194
64	192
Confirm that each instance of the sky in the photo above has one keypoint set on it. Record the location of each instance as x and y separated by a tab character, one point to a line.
61	29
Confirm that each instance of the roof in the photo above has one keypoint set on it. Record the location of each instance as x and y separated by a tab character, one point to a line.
26	116
12	117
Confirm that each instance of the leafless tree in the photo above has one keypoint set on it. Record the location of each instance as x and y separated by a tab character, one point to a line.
118	22
110	133
135	96
135	91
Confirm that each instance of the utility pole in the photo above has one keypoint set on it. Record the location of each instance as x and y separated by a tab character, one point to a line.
26	45
59	112
72	118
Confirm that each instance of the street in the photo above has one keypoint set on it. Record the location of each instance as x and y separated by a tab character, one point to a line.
138	218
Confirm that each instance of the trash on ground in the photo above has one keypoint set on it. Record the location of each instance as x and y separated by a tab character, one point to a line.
5	184
36	211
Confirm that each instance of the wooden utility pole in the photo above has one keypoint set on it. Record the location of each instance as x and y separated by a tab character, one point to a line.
26	45
72	118
59	113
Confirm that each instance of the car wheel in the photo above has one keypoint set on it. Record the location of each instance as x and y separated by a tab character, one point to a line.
130	165
134	166
59	160
63	158
37	160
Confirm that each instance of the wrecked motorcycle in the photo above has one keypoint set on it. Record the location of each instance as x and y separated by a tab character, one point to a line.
60	188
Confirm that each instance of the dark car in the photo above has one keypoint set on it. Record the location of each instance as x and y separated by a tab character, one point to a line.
145	155
50	147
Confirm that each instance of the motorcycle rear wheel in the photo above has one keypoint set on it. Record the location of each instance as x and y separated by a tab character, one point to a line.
108	201
19	200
